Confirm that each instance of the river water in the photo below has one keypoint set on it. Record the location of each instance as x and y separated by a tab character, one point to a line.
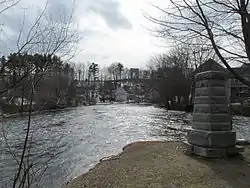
66	143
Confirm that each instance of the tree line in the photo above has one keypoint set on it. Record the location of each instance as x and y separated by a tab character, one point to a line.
50	78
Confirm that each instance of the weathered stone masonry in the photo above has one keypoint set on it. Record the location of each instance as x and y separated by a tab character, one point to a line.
211	134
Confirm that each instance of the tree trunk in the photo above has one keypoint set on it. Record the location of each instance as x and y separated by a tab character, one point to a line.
21	109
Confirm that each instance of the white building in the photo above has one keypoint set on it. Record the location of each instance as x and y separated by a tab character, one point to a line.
120	95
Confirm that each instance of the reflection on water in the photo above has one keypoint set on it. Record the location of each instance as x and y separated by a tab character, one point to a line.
68	142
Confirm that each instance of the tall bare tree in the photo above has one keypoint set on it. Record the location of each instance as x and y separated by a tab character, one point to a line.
7	4
115	70
222	24
172	74
47	35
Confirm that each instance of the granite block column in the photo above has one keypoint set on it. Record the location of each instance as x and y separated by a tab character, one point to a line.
211	134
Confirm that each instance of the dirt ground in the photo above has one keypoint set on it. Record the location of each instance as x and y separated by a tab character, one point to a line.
165	165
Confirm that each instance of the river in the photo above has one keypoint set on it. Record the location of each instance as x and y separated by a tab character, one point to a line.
66	143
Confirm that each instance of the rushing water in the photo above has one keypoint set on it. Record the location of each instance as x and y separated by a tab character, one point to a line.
67	143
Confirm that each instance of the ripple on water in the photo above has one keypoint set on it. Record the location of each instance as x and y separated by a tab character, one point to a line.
69	141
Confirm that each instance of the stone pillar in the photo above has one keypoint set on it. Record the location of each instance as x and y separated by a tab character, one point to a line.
211	134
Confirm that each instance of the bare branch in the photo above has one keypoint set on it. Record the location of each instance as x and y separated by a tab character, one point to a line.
8	6
223	23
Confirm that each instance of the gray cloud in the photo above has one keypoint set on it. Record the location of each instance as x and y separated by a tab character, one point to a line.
22	17
11	21
60	10
109	10
93	57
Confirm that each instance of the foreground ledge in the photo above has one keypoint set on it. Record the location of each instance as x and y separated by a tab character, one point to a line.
165	165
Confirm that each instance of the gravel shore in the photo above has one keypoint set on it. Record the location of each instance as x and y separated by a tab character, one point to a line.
165	165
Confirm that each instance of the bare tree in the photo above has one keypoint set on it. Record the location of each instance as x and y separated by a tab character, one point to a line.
7	4
172	74
47	36
194	55
125	73
115	70
83	67
223	23
179	56
81	71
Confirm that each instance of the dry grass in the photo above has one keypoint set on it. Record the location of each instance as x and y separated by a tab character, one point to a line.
164	165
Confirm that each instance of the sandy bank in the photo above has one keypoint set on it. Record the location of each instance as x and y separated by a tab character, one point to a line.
165	165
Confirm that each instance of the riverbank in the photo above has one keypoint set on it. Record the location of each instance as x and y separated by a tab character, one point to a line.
13	113
240	109
35	112
165	165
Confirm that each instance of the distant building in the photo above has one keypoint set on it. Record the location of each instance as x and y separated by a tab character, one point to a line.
81	89
239	90
88	90
134	73
211	65
120	95
236	90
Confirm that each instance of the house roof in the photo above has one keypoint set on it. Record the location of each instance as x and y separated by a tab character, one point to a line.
243	70
213	65
210	64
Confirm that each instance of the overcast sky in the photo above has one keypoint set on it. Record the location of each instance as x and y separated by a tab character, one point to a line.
112	30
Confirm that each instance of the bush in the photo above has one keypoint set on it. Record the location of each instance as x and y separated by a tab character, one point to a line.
10	108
